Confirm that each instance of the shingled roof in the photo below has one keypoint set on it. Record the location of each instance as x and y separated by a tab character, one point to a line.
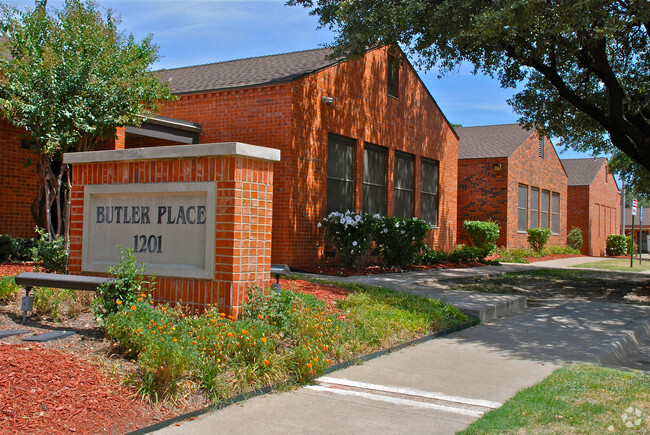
254	71
490	141
582	172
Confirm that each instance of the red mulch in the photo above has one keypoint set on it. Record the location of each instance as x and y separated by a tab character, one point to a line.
8	269
376	269
327	292
43	390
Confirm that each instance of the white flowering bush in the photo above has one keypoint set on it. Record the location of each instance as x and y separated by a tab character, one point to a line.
400	240
350	233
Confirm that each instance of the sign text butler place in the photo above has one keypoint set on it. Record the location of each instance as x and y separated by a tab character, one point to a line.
166	225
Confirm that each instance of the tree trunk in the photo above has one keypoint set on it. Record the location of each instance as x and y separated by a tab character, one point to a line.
51	206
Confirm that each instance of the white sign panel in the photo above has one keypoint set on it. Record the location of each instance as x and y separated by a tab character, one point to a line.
634	207
169	226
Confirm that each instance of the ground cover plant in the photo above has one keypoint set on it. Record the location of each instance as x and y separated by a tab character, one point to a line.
285	337
574	399
527	255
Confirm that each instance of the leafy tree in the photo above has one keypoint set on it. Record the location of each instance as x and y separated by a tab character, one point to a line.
584	66
69	77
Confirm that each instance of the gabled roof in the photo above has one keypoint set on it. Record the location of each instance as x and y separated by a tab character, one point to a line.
253	71
490	141
582	172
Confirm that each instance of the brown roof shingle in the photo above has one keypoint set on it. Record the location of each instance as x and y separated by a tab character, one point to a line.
490	141
582	172
252	71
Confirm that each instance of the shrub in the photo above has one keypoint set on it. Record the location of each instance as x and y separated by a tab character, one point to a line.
126	288
23	248
6	247
514	255
574	238
483	234
8	288
632	246
400	240
616	245
50	252
431	256
537	238
464	254
350	233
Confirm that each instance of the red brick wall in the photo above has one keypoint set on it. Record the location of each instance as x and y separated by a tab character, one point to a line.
292	117
481	192
18	184
243	227
595	209
547	173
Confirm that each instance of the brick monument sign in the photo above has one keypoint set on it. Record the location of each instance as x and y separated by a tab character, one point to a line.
198	216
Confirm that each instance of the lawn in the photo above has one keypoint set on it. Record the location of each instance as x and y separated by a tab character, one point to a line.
574	399
620	264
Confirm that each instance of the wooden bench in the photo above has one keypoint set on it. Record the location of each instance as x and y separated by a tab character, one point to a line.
29	280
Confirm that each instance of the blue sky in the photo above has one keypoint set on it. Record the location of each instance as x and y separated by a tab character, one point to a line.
198	32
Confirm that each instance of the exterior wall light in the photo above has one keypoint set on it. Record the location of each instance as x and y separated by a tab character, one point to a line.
328	100
497	167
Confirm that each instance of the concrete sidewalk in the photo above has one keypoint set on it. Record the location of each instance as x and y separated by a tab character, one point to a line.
442	385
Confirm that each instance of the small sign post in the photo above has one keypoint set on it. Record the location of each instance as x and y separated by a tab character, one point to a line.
634	203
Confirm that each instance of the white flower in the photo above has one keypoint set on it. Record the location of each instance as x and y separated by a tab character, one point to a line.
396	224
402	232
385	230
354	243
319	225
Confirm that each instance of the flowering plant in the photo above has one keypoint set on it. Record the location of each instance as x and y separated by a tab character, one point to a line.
351	233
400	240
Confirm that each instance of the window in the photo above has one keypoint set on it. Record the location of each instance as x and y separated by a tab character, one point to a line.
374	179
534	207
545	197
392	76
541	147
522	215
555	213
403	194
429	191
340	173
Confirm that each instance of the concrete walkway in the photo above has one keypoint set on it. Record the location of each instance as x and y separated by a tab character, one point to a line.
442	385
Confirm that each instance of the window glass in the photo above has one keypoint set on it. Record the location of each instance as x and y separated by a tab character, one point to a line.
403	194
374	179
393	76
429	191
340	173
545	198
534	207
555	210
522	224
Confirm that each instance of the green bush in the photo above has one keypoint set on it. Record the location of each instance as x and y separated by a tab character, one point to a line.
483	234
514	255
537	238
8	288
464	253
616	245
632	246
351	234
129	284
432	256
6	247
50	252
400	240
23	248
574	238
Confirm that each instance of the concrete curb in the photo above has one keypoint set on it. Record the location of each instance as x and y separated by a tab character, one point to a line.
612	350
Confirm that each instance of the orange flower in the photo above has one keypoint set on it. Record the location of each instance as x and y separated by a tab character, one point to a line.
133	307
175	340
315	359
222	314
229	334
263	339
193	341
267	362
243	331
118	302
309	365
259	316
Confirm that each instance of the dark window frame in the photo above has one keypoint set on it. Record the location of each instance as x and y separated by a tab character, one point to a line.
392	76
545	212
522	211
534	201
403	189
555	213
371	185
425	194
345	183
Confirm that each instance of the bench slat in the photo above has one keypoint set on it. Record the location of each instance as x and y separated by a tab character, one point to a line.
72	282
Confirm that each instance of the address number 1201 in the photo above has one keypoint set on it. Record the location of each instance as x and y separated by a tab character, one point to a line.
144	244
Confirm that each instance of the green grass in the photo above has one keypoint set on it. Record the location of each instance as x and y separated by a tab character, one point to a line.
574	399
520	255
620	264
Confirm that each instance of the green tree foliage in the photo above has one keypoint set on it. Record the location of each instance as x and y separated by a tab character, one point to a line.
583	67
69	77
637	178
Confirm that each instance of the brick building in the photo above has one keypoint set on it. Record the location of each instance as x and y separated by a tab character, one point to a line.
363	134
594	202
512	176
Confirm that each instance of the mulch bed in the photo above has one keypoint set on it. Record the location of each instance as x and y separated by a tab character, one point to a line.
336	270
